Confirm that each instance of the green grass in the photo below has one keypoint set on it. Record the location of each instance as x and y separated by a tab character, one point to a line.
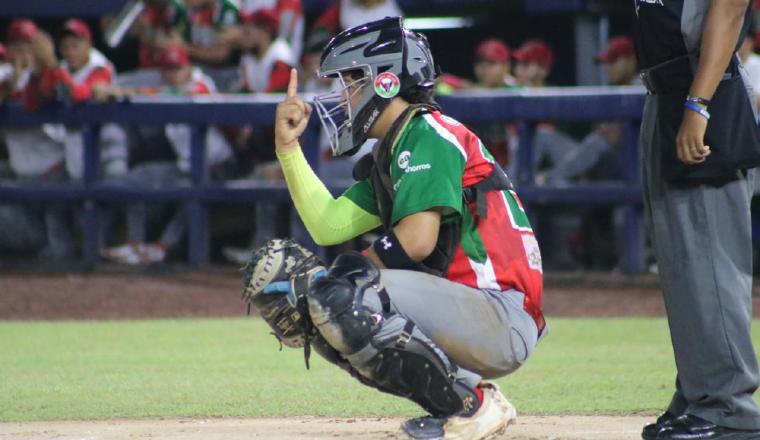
232	367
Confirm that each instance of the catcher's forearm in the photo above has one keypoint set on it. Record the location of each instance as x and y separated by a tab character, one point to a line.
328	220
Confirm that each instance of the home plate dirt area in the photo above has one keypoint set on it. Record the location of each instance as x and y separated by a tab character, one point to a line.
313	428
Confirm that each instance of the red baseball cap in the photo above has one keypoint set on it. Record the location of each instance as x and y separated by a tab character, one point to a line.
22	29
266	18
620	46
535	51
492	49
173	57
77	27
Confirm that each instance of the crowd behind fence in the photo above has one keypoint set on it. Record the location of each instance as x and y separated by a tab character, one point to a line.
525	107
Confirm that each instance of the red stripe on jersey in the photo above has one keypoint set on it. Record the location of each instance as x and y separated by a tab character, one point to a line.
460	269
506	245
477	167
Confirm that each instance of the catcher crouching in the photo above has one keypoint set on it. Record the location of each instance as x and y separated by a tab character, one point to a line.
450	294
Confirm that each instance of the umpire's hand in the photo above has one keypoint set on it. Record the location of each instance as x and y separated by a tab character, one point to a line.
690	140
292	117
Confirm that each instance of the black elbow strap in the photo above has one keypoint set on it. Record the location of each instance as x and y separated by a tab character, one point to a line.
392	254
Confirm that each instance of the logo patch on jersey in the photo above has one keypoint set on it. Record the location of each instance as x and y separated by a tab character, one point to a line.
420	167
387	85
532	252
403	159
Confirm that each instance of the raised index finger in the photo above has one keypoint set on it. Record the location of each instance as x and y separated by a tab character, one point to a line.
293	84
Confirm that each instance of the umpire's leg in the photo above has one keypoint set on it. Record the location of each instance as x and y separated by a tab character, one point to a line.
704	251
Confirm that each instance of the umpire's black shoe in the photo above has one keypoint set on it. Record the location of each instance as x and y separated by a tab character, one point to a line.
689	427
650	431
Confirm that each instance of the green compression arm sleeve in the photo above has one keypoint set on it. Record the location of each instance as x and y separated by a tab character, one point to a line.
329	221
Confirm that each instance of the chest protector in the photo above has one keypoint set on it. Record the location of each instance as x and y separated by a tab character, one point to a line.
376	166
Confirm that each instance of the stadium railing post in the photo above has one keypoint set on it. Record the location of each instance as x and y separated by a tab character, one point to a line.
525	173
90	208
632	254
197	212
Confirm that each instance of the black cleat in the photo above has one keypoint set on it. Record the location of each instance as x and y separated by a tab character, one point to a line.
424	428
650	431
689	427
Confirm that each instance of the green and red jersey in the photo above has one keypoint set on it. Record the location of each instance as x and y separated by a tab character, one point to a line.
435	157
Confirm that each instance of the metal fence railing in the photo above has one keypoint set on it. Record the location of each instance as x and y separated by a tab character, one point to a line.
525	107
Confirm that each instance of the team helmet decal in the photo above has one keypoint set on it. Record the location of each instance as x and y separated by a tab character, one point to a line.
387	85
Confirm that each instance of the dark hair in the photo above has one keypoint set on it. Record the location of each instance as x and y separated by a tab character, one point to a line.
419	95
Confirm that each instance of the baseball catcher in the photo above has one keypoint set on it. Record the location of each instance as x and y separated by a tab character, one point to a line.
450	294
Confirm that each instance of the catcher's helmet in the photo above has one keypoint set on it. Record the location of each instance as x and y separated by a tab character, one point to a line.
391	60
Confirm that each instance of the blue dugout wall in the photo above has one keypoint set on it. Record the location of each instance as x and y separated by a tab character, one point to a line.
526	107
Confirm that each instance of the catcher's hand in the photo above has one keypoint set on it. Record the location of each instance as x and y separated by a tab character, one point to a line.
276	281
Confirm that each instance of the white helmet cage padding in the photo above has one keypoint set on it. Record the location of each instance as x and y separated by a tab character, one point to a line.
373	48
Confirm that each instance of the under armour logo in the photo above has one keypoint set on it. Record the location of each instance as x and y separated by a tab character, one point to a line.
386	243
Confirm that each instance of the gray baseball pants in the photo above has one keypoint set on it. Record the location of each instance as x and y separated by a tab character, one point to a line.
703	244
484	332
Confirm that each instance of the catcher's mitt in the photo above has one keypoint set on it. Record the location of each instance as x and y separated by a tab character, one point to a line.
276	281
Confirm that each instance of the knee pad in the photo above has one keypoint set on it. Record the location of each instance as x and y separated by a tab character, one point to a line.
336	303
385	348
403	359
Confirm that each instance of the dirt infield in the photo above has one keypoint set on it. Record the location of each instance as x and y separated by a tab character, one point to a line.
309	428
216	292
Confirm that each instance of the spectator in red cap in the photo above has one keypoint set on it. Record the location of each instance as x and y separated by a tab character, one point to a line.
493	71
207	21
22	29
35	153
180	77
290	14
85	73
493	67
619	61
161	24
20	35
534	63
267	59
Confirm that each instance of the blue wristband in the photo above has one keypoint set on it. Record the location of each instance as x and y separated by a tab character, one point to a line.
699	100
692	106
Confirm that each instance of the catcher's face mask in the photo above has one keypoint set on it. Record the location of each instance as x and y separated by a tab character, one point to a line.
338	108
